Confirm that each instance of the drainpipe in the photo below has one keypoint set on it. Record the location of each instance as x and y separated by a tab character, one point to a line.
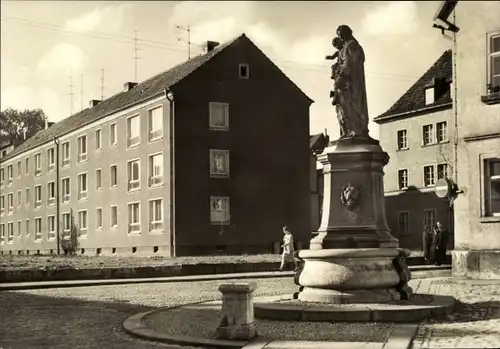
170	97
58	203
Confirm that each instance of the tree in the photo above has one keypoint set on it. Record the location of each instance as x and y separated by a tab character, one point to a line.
13	124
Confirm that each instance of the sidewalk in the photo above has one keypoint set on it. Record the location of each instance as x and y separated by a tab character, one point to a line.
418	272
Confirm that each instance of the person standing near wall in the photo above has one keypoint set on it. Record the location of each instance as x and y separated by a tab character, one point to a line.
288	249
427	236
441	243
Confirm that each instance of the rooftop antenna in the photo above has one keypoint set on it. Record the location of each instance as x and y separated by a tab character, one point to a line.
188	30
136	49
102	84
81	92
70	95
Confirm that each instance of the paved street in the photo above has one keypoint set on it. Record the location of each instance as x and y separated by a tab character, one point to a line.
91	317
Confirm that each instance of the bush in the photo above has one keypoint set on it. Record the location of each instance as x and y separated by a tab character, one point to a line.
69	244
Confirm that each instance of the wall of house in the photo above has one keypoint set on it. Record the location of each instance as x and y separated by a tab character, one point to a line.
477	241
108	239
315	196
418	198
268	140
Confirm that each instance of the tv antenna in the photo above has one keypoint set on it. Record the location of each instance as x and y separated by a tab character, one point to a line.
102	84
81	92
136	57
188	30
70	95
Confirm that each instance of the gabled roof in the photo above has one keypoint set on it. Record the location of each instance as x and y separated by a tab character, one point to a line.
413	100
144	91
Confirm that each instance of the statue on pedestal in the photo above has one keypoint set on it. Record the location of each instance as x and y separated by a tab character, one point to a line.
349	92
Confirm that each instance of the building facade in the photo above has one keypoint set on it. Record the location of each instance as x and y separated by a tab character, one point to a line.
477	206
211	156
416	133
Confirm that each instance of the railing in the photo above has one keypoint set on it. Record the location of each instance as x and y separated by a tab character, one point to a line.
131	142
156	180
155	134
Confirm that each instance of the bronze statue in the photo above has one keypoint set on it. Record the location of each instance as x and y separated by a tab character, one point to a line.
349	93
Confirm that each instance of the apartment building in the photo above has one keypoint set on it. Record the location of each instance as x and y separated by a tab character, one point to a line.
477	207
416	133
211	156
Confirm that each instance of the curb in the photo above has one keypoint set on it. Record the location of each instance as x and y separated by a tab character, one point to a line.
418	272
71	274
134	326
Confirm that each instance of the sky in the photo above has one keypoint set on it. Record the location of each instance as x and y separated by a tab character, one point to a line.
46	46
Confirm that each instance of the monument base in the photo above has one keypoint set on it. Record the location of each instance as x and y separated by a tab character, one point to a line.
370	275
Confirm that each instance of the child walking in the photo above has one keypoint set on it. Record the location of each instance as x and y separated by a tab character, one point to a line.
288	249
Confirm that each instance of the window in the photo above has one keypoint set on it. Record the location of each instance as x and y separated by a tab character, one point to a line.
2	234
113	216
65	154
10	203
219	210
429	179
156	215
403	223
10	175
494	59
429	95
402	139
442	171
51	222
134	222
66	220
27	165
428	134
98	179
38	164
98	139
441	132
51	193
19	198
82	186
244	71
38	229
492	187
27	196
28	230
155	121
19	228
82	148
19	168
38	196
10	232
66	190
219	163
2	204
51	159
430	218
219	116
133	131
2	178
98	220
112	134
82	223
114	176
133	176
156	169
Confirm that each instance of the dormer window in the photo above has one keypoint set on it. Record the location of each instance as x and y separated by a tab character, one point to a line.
244	70
436	89
429	95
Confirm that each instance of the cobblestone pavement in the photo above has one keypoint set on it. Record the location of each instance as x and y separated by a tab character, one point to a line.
475	322
91	317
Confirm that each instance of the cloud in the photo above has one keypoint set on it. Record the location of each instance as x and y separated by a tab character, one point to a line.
44	98
64	56
311	49
195	12
109	19
394	18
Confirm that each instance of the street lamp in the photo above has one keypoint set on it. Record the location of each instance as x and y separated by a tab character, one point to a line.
170	96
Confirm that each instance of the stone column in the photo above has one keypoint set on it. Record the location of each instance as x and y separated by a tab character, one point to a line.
353	204
237	320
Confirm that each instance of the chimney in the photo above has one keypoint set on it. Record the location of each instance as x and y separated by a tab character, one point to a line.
51	124
24	134
211	45
128	86
46	123
94	102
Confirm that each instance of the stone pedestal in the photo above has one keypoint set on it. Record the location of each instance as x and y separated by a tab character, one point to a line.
353	258
353	202
237	321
